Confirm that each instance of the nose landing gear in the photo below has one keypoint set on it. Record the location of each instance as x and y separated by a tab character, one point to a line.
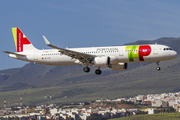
158	68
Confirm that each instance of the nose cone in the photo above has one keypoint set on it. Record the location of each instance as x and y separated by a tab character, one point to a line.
174	54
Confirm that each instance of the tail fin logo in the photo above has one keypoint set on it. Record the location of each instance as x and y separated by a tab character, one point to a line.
19	39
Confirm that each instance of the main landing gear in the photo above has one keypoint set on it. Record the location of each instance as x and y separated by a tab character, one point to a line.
98	71
158	68
87	69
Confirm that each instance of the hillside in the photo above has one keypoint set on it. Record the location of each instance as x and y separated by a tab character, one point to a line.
71	84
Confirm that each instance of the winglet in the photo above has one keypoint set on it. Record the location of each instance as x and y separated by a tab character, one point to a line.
49	44
46	41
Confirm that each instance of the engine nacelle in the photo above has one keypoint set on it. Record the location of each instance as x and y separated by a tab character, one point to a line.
119	66
103	61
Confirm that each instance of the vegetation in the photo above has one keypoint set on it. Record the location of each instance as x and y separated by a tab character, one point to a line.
160	116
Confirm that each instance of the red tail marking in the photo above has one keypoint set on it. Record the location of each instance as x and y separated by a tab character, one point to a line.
21	41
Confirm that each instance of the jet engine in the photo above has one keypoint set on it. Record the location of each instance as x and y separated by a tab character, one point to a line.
119	66
102	61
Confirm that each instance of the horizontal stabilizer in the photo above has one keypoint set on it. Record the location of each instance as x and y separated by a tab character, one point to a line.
14	53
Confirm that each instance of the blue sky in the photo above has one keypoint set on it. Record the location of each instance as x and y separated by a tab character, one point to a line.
84	23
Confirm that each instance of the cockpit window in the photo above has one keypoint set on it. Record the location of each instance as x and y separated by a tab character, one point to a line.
167	48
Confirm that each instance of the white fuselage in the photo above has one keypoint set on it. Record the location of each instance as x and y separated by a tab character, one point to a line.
118	54
114	57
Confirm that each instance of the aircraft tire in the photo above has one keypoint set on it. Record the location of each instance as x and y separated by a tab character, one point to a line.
158	68
86	69
98	71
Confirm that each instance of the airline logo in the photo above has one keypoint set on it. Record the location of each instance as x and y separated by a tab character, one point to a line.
19	39
138	52
106	49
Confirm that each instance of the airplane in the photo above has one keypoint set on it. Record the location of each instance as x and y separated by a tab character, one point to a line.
114	57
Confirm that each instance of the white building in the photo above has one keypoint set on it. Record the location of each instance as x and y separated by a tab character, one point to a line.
172	102
139	97
152	111
53	111
159	103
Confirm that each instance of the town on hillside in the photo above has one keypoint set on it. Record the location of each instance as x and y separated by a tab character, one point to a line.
100	109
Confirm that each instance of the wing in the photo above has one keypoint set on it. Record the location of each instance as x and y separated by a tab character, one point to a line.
83	58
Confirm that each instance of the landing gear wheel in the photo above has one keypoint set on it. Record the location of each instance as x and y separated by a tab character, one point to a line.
98	72
86	69
158	68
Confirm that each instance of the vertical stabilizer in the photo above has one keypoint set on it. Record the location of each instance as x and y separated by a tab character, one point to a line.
22	44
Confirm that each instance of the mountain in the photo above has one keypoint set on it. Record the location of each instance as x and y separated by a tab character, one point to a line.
172	42
71	84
